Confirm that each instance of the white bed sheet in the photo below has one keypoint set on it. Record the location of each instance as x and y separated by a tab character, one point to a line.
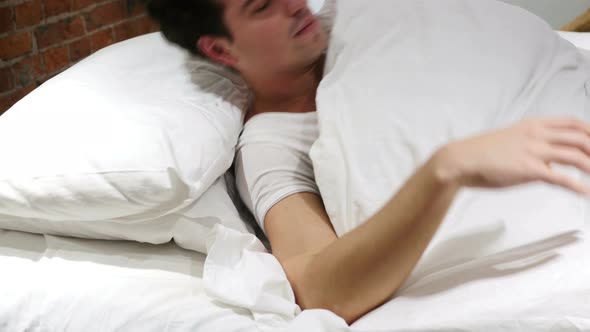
50	283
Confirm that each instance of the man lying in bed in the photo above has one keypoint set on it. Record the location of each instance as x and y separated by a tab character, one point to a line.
278	47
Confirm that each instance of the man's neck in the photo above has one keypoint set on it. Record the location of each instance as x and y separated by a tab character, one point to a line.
292	92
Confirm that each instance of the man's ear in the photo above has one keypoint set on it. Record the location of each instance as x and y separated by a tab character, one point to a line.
217	50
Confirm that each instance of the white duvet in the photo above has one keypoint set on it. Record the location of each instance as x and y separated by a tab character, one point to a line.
541	287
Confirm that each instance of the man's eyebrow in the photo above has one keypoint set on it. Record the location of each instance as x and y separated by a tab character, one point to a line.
245	5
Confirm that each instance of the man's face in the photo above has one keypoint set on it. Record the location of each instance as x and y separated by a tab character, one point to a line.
275	35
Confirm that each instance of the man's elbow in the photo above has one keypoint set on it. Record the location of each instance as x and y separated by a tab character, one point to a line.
312	296
313	292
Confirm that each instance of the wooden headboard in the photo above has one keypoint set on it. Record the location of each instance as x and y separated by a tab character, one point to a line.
580	24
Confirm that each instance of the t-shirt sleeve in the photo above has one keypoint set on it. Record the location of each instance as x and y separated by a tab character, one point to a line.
267	172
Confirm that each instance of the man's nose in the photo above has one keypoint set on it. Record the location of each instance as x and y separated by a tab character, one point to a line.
295	7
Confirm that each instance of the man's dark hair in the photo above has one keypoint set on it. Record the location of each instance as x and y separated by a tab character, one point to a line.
183	22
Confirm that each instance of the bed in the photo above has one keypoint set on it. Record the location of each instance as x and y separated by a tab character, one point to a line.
51	283
55	283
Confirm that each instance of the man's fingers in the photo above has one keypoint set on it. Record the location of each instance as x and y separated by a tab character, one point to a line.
569	123
567	156
575	139
565	181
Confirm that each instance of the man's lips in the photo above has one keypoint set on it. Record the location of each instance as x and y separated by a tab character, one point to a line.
304	25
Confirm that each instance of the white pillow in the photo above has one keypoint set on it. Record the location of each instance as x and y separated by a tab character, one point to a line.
134	132
405	77
315	5
188	227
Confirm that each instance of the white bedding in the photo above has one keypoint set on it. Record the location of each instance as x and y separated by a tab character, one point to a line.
540	287
50	283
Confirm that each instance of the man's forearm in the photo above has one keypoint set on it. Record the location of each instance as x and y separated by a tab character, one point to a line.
362	269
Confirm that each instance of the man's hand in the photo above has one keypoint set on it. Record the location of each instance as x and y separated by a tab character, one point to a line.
520	154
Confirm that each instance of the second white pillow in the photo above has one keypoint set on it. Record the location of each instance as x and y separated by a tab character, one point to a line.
406	77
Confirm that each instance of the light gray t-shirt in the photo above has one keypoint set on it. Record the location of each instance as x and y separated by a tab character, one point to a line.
272	160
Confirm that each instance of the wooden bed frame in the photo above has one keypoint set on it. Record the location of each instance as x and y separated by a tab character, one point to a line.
580	24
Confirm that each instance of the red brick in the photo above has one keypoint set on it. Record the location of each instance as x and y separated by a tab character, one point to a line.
29	13
6	23
6	79
154	26
128	29
7	101
136	27
80	49
147	25
105	15
56	7
15	45
135	7
81	4
69	28
56	59
101	39
28	70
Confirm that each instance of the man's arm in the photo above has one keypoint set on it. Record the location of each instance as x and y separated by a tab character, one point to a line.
353	274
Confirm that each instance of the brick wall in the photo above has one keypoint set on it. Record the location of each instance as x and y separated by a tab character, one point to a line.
41	38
